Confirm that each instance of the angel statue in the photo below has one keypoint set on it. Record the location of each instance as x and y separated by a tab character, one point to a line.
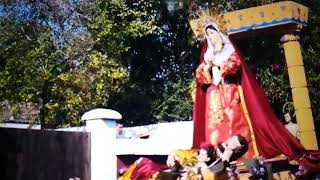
288	115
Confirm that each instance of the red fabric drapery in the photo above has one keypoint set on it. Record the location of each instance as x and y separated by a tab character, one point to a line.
146	169
199	135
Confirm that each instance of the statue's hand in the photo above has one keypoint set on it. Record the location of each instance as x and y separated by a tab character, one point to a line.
203	73
171	160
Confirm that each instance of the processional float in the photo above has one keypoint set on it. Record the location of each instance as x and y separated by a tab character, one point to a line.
286	19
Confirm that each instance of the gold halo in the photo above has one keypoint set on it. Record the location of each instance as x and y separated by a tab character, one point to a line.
288	107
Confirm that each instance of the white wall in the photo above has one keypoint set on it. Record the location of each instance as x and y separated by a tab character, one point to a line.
164	137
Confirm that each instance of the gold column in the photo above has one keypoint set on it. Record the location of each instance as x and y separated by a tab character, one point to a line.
299	91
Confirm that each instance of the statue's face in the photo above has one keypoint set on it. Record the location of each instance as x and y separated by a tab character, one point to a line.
214	38
287	117
203	156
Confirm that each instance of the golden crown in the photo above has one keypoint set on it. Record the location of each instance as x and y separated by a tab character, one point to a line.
200	19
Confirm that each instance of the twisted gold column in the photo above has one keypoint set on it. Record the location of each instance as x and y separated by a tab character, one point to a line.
299	91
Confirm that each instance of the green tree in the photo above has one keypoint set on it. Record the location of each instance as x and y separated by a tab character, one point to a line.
160	67
82	61
90	86
29	64
310	44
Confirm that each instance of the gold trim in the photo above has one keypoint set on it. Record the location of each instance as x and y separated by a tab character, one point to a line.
246	114
215	114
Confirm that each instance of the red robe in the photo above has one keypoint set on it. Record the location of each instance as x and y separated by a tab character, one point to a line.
271	137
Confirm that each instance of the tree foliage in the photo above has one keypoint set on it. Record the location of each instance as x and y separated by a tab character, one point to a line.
29	63
86	73
310	43
161	67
